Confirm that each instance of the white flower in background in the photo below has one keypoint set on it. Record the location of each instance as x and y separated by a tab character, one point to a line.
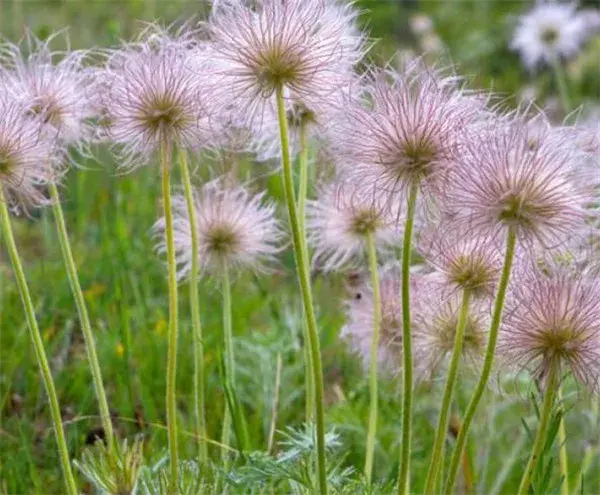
548	32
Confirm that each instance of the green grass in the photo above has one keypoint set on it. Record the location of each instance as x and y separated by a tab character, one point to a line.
109	219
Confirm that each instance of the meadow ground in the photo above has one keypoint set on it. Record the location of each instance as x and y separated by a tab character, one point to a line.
109	217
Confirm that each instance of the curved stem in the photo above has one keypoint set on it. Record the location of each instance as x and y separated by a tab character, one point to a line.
302	193
199	406
84	319
562	452
373	268
407	367
511	241
38	345
302	269
165	159
540	437
442	427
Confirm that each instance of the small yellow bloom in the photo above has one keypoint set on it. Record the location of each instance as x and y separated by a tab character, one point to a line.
120	349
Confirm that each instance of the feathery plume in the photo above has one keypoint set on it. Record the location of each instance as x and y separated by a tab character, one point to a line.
436	312
464	261
56	86
404	130
157	91
307	47
554	316
341	219
358	330
502	181
235	229
27	155
548	32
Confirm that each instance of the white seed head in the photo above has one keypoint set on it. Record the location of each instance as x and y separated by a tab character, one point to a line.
236	230
549	32
27	154
342	218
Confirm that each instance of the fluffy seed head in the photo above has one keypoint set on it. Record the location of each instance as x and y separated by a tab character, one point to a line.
548	32
235	230
436	313
359	321
466	262
304	46
502	182
554	318
156	92
340	221
56	86
405	129
27	154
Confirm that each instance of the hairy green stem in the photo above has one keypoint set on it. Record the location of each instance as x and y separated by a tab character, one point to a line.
374	269
487	363
562	449
302	270
38	345
84	319
235	408
442	427
407	366
540	437
302	194
171	399
199	406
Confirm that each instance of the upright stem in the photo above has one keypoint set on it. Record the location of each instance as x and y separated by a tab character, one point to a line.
407	367
562	449
235	408
38	345
165	158
228	328
84	319
300	251
487	363
540	437
442	427
195	310
302	193
563	88
372	254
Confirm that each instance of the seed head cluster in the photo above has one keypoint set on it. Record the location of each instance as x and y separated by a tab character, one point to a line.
482	174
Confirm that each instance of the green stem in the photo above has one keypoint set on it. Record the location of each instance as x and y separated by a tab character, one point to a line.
84	319
233	401
228	328
442	427
407	366
540	437
304	281
302	194
563	88
165	158
199	406
487	363
372	254
562	452
38	345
